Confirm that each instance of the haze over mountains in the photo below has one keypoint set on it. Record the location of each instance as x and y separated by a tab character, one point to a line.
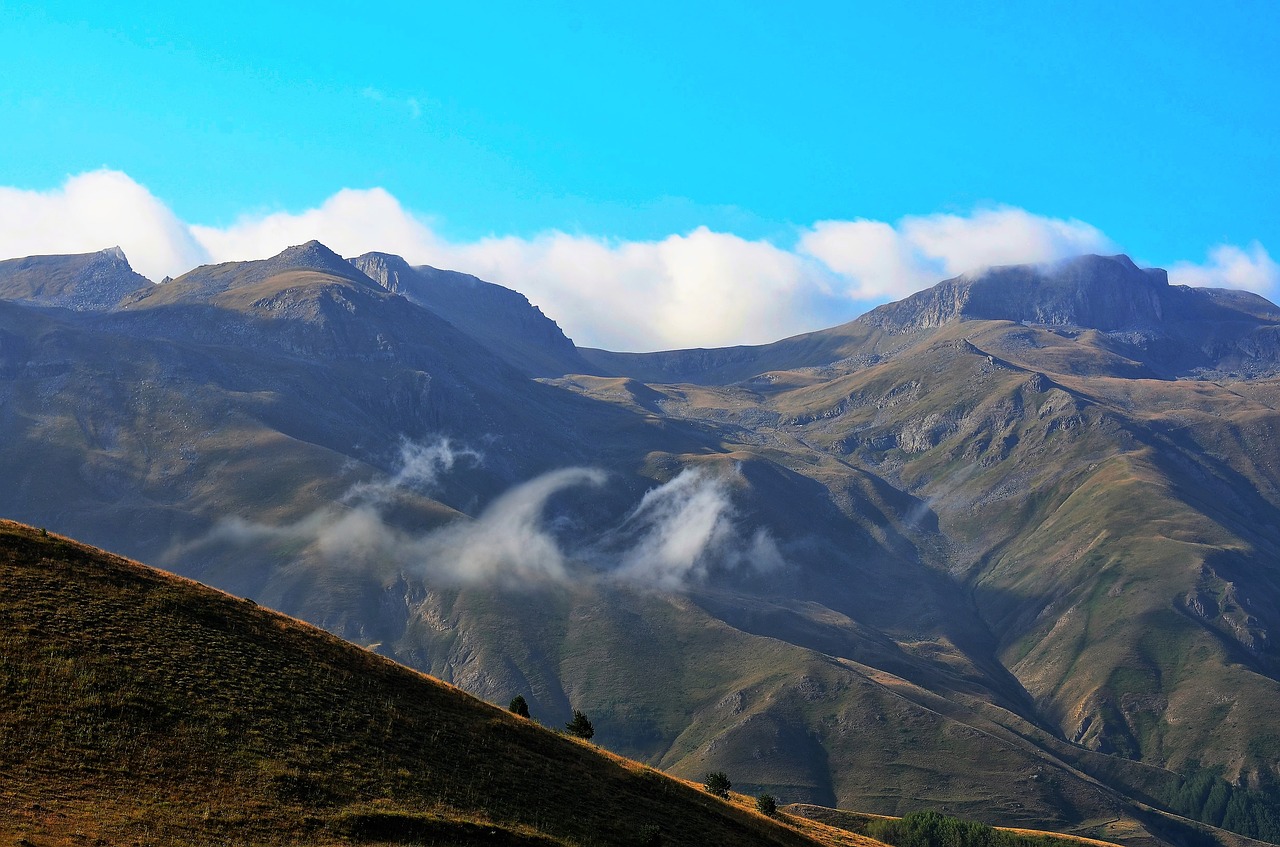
1005	548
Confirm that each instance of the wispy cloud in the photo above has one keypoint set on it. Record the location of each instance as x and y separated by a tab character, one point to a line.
697	289
681	533
508	542
412	105
684	530
419	469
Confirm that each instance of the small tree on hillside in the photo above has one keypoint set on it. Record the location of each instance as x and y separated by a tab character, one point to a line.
580	726
767	804
519	706
718	784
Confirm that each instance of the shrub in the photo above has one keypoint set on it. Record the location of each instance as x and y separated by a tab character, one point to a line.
767	804
580	726
519	706
718	783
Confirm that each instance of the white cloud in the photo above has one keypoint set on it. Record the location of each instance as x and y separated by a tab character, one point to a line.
507	541
420	468
872	257
701	289
377	95
350	222
880	260
698	289
1002	236
684	529
681	533
1251	268
93	211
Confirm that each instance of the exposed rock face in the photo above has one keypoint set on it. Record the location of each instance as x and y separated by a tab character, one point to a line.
512	326
1107	293
385	269
88	282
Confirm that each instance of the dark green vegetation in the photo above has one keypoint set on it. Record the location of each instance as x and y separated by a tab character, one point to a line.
1206	796
140	708
930	829
1025	525
580	726
717	783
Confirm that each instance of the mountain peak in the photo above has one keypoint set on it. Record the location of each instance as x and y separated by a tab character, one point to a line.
84	282
311	256
211	280
115	254
386	269
502	319
1101	292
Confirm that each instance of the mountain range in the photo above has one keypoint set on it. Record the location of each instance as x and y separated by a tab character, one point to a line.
1006	548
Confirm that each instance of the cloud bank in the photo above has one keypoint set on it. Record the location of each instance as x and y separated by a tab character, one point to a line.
1251	268
701	288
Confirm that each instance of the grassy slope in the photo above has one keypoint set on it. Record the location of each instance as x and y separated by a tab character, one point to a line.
137	707
795	723
1088	512
1113	531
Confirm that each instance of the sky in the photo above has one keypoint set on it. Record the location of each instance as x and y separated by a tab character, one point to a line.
652	175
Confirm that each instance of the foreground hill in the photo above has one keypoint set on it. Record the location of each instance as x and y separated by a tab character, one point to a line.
140	708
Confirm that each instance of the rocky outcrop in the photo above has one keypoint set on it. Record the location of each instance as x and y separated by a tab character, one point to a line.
503	319
88	282
1174	330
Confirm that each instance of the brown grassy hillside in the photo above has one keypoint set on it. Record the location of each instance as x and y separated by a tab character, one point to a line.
141	708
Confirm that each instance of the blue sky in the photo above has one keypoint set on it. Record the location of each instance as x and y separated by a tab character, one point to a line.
1154	124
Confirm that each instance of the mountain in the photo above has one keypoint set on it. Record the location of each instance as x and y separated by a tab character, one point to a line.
1173	330
1006	548
90	282
502	319
195	717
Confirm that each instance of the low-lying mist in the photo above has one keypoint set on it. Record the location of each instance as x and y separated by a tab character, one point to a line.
681	532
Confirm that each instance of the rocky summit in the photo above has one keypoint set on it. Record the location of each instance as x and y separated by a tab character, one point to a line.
1006	548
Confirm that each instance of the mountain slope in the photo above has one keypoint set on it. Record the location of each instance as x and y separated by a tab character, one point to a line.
193	717
265	389
502	319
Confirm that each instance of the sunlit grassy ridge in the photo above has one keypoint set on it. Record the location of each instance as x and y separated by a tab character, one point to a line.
141	708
